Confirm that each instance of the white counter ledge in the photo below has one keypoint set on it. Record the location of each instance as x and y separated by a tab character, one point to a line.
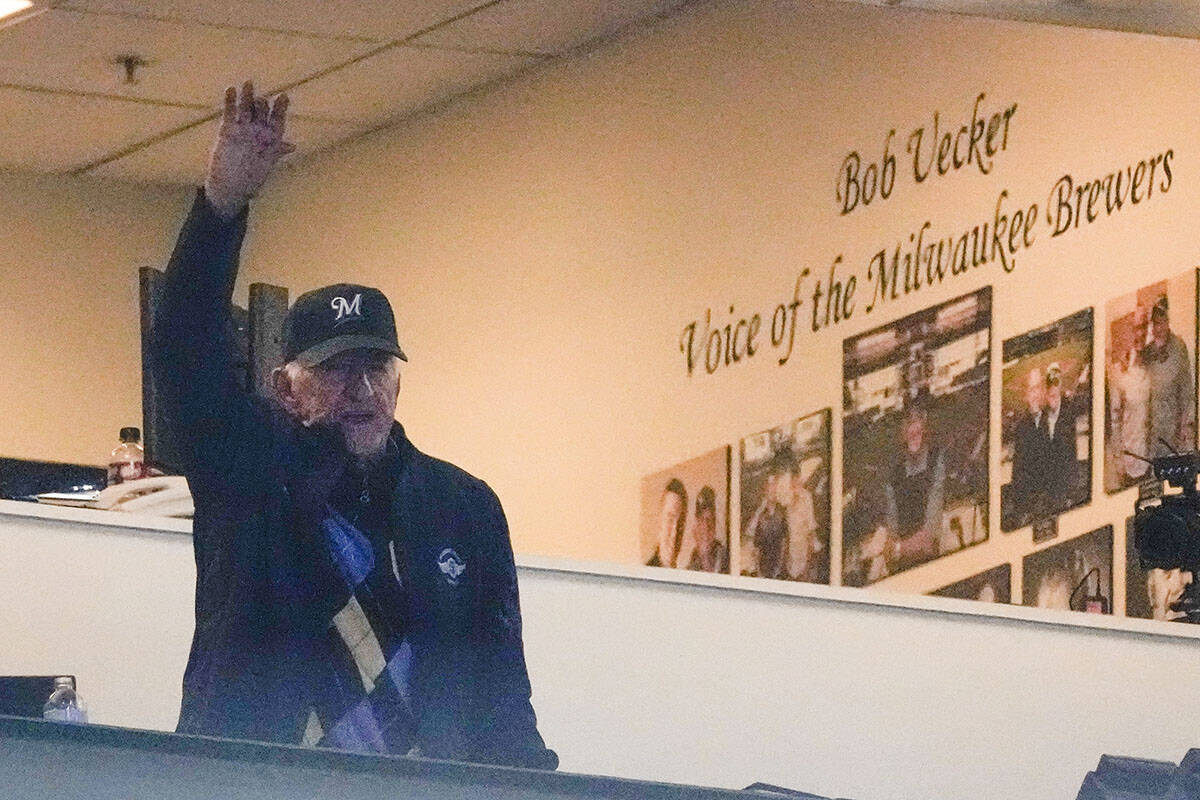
653	580
90	516
623	659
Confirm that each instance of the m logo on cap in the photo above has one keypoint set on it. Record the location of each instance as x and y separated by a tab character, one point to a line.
347	308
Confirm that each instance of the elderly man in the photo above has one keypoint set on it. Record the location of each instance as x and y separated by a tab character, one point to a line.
916	492
1172	391
1061	464
351	591
1029	443
709	554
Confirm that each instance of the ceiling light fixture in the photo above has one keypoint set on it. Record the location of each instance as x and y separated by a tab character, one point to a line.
130	63
10	7
14	12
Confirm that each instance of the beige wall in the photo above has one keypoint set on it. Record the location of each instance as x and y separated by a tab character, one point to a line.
71	375
546	243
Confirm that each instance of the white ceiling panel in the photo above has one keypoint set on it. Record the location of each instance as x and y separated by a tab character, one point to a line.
183	158
398	81
188	63
377	20
544	26
59	133
344	83
1163	17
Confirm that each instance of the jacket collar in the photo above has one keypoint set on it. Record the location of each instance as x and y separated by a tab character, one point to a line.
316	461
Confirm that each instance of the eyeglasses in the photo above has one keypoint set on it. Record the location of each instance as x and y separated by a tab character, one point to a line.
375	367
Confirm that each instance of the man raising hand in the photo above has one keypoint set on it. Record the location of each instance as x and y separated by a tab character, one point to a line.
351	591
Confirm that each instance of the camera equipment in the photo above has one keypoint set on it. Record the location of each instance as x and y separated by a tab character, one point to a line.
1166	527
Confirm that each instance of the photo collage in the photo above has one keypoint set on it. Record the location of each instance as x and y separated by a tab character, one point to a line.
916	455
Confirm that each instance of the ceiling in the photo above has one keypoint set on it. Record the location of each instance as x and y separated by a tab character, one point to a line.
68	103
1179	18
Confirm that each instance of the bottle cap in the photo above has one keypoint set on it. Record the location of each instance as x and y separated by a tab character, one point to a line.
64	682
131	435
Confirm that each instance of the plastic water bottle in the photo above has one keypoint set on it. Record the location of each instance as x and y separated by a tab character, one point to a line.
64	704
127	461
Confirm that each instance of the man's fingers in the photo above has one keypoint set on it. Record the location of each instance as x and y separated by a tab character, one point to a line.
230	105
246	107
279	113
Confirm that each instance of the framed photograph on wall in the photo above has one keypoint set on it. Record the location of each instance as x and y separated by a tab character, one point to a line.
685	514
1075	575
991	586
1046	421
915	439
785	501
1150	380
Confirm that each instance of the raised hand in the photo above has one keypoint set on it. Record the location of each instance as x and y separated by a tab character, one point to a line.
249	144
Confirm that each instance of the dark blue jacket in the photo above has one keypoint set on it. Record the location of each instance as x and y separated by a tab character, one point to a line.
260	482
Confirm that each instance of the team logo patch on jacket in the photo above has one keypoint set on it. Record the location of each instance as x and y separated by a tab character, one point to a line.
451	565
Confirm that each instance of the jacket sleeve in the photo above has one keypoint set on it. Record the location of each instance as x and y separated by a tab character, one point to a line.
506	730
209	414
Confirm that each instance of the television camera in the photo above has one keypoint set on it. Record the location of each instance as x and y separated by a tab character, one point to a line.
1166	525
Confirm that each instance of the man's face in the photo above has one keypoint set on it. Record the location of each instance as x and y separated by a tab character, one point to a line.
914	433
1160	329
353	392
668	518
1140	324
784	494
706	527
1054	396
1035	391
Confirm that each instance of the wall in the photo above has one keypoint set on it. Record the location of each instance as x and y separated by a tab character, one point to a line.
71	375
690	684
547	243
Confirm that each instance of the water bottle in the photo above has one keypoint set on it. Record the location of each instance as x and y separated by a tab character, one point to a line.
64	704
127	460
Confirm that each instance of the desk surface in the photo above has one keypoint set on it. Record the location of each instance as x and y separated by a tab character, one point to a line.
94	517
42	759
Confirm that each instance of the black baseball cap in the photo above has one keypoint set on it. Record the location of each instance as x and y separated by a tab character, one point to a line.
333	319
